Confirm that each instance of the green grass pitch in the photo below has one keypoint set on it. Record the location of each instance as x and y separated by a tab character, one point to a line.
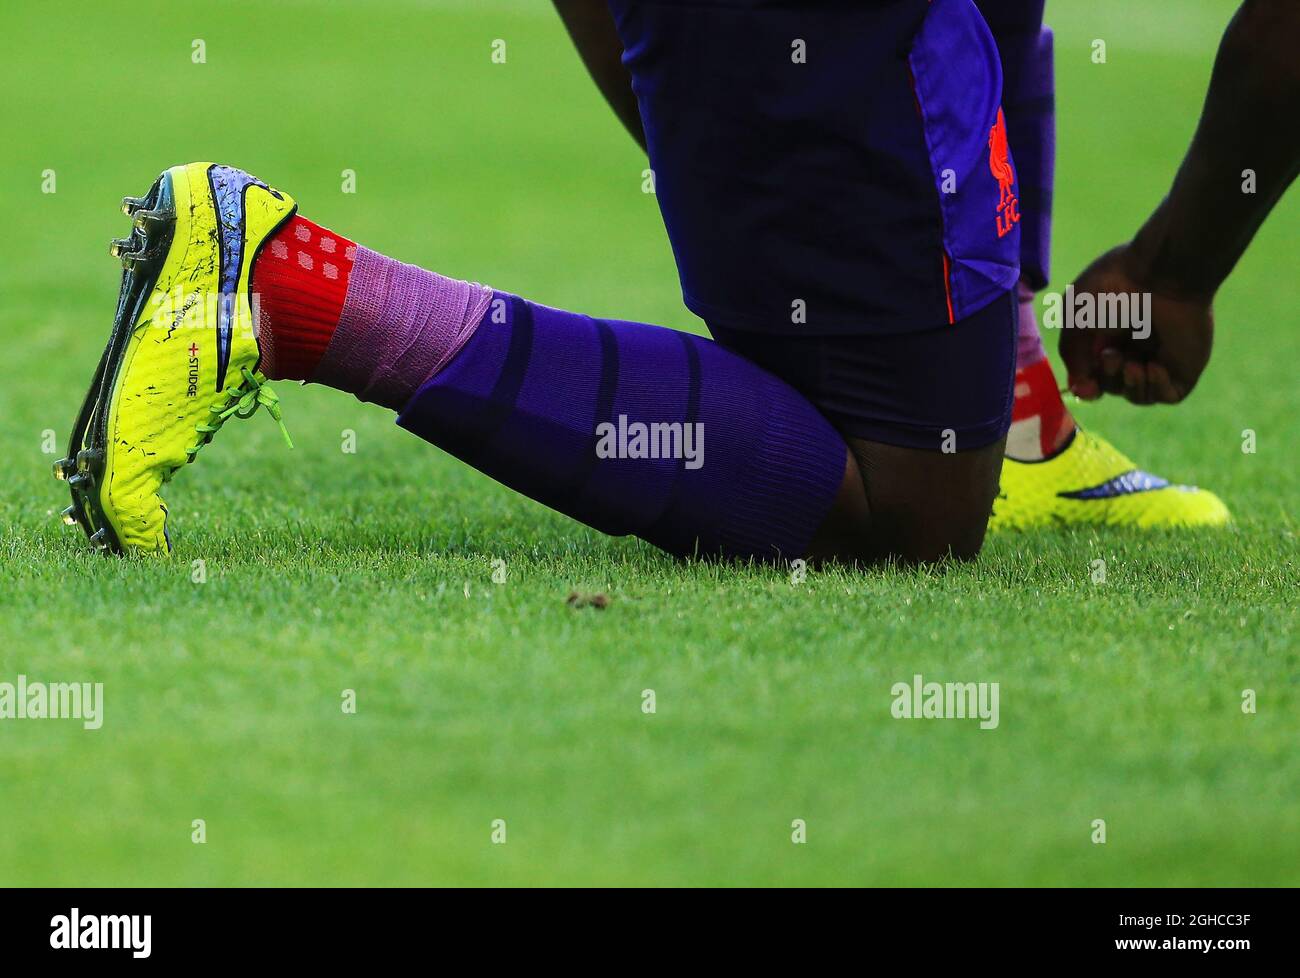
477	701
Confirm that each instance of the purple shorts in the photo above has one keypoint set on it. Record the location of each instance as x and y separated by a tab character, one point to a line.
847	159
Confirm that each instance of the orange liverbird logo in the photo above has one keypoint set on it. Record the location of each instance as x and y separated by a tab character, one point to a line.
1000	166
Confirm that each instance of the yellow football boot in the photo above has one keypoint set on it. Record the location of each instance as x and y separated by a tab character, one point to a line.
1091	482
183	356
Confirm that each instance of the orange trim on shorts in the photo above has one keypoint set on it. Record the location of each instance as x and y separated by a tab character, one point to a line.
947	286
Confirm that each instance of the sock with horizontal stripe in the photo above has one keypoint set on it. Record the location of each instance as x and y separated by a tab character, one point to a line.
629	428
635	429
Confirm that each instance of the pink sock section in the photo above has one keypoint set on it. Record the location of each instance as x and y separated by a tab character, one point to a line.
400	326
1029	343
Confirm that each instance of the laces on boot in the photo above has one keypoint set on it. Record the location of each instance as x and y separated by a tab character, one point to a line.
241	402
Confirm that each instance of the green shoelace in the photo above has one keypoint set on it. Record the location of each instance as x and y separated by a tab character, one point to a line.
241	402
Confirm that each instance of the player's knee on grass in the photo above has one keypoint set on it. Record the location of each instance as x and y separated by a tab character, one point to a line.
926	506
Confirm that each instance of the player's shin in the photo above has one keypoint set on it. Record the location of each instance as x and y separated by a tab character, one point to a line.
636	429
629	428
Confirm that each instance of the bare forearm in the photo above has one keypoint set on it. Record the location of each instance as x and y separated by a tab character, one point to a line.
1245	154
591	26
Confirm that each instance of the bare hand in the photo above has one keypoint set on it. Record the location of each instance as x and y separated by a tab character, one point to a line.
1155	358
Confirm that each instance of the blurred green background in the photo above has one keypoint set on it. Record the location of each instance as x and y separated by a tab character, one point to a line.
480	701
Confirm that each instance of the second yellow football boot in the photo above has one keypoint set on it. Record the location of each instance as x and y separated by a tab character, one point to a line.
1089	481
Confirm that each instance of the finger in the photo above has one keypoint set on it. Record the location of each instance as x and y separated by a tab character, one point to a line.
1161	386
1085	389
1080	366
1135	382
1112	371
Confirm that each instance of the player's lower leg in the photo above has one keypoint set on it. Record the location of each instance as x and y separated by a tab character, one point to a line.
1057	473
632	429
522	392
627	427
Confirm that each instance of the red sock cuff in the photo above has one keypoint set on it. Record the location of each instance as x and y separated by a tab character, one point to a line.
300	280
1037	396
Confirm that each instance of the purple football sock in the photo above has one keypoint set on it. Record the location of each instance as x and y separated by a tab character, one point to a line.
635	429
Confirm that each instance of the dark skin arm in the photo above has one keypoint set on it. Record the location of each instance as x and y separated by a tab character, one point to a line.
1186	249
591	26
